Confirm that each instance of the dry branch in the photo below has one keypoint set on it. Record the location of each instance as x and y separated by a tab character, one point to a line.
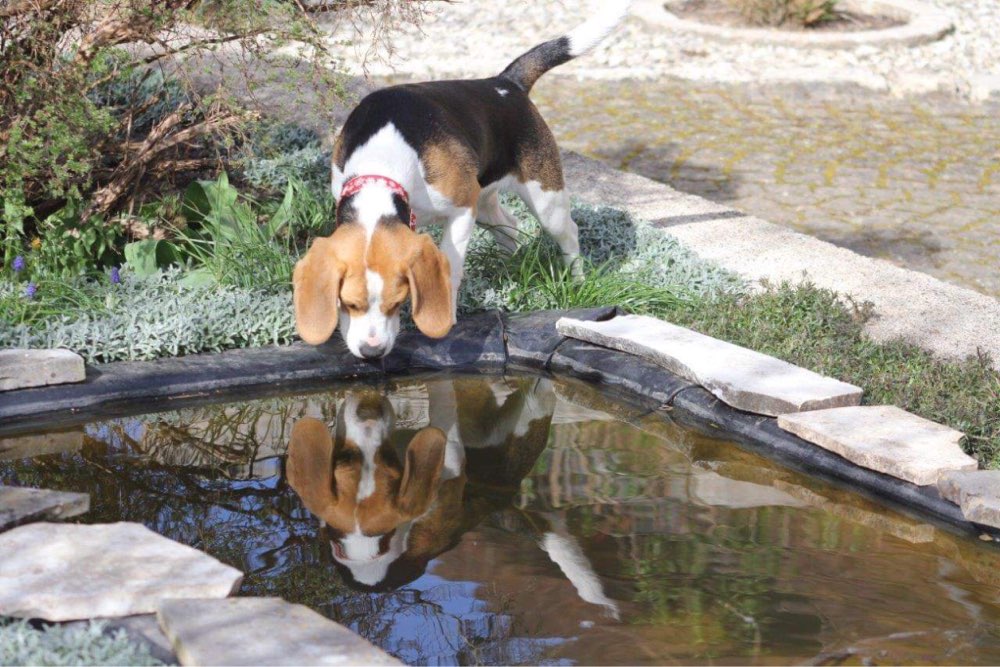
161	138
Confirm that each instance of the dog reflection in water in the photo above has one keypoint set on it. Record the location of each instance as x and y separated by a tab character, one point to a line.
390	500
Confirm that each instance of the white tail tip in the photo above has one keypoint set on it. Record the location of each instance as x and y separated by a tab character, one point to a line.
596	29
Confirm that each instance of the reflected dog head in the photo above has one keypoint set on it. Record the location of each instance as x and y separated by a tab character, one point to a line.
366	494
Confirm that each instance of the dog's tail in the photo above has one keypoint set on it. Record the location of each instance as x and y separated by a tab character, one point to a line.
527	69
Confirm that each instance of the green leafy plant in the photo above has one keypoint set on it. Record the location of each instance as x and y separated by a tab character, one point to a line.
231	239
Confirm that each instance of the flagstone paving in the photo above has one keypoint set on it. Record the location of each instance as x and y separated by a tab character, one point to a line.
20	505
62	572
261	631
977	492
743	378
915	181
884	438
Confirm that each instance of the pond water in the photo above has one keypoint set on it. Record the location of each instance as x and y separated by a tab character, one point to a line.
525	520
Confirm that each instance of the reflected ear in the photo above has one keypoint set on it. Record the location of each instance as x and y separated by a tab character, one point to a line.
430	288
422	471
316	291
310	465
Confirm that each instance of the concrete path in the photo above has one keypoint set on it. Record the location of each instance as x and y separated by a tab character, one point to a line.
948	320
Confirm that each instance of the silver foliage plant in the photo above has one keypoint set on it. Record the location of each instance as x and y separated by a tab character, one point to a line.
162	316
22	644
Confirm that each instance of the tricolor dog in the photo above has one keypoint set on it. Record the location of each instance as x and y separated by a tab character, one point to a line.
436	152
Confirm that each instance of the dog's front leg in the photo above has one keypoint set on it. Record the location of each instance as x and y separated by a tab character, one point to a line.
454	245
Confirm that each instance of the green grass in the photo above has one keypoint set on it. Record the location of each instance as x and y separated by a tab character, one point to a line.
540	282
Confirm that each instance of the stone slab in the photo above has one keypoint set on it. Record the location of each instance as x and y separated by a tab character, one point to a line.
261	631
40	444
36	368
635	380
22	505
744	379
884	438
946	319
977	492
63	572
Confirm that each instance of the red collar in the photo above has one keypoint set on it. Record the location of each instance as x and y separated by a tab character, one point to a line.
355	184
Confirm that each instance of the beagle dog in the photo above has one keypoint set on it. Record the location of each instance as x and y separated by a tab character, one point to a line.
435	152
390	500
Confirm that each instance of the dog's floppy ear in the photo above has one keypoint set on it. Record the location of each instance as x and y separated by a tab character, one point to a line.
310	465
430	288
316	291
422	471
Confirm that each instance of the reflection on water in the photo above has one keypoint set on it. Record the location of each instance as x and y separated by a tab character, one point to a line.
517	520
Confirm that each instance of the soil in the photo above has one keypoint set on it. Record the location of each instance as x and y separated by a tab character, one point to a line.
720	12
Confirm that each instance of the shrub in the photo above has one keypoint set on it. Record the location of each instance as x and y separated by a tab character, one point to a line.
88	122
279	152
806	13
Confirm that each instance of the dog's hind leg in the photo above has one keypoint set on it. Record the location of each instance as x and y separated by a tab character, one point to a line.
552	208
501	224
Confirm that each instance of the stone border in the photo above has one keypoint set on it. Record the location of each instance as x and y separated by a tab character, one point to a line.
490	342
923	24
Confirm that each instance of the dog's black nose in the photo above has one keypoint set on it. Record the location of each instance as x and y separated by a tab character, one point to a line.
372	351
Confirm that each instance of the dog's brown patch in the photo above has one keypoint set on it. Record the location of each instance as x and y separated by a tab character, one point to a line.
339	159
328	272
540	161
450	169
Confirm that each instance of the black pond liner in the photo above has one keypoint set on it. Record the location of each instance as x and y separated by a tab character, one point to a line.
490	342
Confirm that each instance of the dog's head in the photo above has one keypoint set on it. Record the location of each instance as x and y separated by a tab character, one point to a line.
365	271
358	485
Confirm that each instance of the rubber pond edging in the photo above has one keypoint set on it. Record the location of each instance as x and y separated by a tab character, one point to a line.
485	342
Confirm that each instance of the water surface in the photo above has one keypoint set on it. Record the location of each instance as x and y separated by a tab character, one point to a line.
526	521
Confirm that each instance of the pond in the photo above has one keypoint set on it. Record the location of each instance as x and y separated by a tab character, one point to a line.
526	520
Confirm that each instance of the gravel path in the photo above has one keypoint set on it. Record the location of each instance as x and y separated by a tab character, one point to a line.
461	38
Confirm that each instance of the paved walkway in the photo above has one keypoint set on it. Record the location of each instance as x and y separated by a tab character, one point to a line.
916	182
